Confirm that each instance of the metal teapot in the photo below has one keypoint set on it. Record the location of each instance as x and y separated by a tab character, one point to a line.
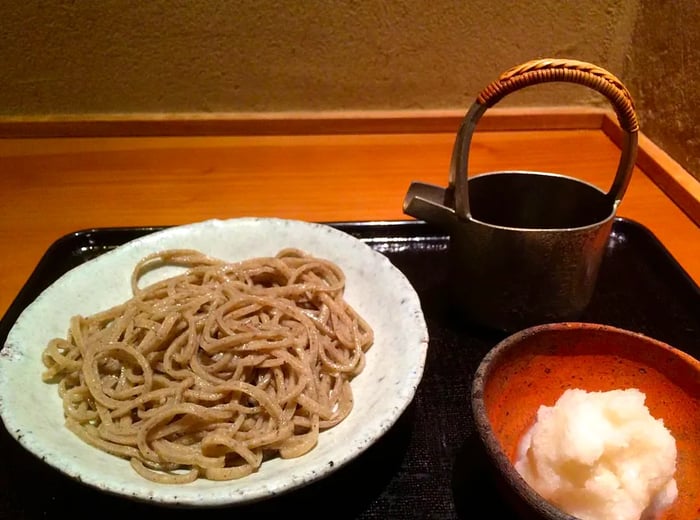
526	247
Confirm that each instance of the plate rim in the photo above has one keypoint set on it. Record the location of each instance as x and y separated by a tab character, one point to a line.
216	498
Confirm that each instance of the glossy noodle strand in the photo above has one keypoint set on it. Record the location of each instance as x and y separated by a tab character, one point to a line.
209	372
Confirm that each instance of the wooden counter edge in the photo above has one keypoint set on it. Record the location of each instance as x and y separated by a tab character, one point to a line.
677	183
671	178
296	123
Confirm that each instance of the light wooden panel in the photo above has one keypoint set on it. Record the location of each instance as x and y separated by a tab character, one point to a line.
52	187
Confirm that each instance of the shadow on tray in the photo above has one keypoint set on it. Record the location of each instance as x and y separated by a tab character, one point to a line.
473	486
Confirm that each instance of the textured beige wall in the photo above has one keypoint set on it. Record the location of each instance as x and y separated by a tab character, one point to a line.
173	56
264	55
663	72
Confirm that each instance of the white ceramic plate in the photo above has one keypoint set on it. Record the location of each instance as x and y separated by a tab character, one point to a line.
32	413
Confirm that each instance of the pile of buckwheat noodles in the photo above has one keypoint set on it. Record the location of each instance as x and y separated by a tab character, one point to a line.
207	373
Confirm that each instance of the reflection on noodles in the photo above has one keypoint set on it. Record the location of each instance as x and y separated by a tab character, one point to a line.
207	373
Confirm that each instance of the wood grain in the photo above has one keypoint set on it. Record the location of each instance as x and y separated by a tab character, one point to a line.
51	187
296	123
678	184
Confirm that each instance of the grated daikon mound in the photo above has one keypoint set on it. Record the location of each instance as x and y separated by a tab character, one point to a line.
600	455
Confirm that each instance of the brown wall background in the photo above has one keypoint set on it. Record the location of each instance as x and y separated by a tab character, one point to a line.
209	56
662	71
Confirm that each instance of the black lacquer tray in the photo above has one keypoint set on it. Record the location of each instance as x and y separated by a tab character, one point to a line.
430	464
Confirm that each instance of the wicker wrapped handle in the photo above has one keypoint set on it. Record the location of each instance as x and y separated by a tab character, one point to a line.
571	71
533	73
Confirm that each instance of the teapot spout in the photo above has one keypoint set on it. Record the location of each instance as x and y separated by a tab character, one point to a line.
430	203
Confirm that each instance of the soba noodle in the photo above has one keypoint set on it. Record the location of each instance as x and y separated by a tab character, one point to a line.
209	372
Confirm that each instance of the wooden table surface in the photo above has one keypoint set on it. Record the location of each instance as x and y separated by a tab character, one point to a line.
51	187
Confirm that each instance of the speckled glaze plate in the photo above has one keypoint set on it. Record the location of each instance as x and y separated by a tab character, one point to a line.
32	413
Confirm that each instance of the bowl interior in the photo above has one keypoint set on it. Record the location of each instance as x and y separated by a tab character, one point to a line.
535	366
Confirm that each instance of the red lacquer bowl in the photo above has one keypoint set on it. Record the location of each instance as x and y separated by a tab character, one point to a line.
534	367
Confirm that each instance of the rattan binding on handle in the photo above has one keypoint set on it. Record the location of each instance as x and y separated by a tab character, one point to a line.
572	71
